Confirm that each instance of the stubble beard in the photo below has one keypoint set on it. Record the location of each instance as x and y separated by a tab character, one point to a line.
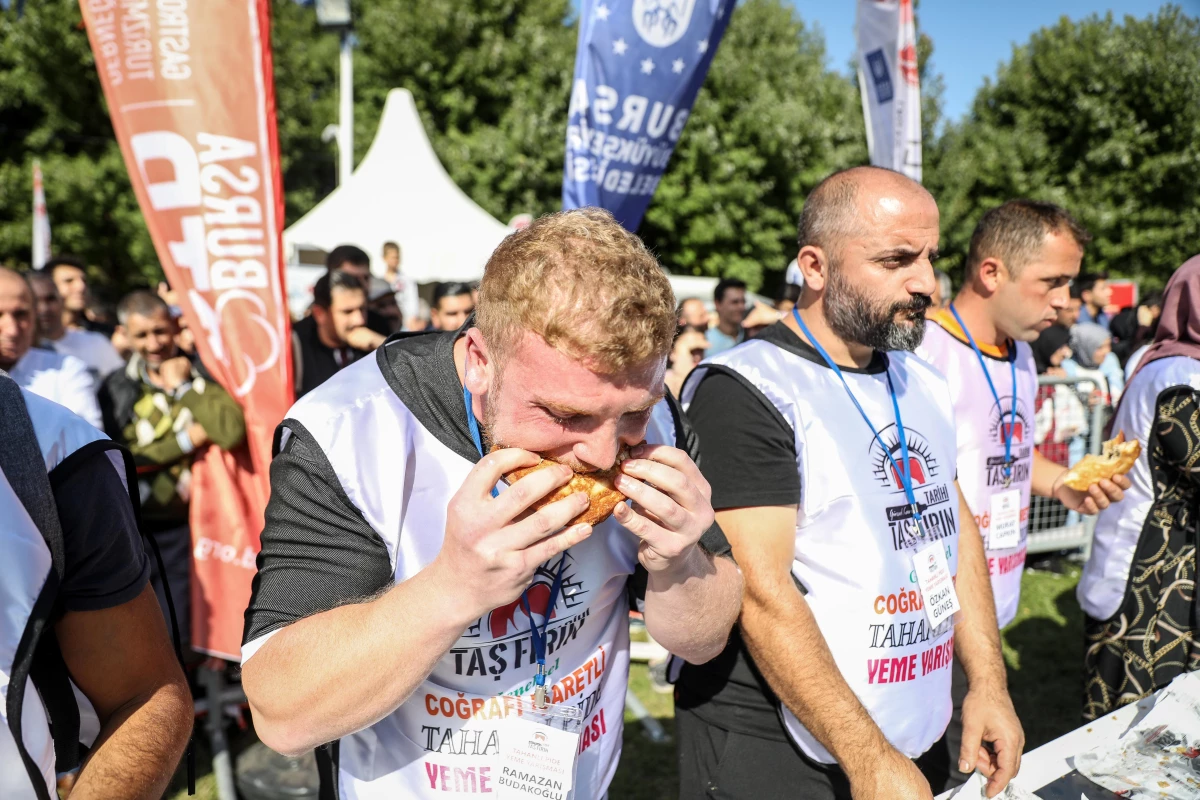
855	317
488	427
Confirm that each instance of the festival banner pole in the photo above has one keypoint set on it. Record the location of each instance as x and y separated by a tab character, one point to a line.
190	91
41	221
889	84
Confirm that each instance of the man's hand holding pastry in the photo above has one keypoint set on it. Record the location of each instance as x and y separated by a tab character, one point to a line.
671	505
1094	483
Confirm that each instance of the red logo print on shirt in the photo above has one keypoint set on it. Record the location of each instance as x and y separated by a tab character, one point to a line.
922	467
502	620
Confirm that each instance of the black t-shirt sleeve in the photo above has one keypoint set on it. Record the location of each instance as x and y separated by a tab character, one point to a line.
105	563
747	450
747	453
318	552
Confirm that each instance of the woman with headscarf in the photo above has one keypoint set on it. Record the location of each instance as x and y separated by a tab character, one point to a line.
1091	348
1059	417
1050	348
1138	588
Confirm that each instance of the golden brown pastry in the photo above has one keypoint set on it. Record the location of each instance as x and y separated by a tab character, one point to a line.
598	486
1117	458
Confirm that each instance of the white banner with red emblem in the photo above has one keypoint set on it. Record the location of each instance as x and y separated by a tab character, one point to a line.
887	79
191	94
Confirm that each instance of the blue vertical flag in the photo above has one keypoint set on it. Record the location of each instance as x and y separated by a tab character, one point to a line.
638	67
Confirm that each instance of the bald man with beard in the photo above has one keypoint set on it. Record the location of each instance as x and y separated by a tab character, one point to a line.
830	449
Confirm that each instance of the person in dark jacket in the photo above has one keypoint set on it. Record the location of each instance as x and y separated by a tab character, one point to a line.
334	335
165	411
355	261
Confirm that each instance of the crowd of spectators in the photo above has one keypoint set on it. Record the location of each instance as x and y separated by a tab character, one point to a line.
1093	349
136	375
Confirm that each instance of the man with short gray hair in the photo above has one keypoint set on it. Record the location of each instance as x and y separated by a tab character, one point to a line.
166	412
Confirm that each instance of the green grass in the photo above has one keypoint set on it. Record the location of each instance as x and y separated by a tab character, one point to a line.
1043	648
647	770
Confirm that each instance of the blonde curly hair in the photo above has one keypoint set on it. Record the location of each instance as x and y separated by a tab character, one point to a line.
584	284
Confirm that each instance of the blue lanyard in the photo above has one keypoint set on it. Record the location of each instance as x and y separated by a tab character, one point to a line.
473	426
1007	433
903	472
538	638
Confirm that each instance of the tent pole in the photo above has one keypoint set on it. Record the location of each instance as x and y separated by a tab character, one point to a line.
345	136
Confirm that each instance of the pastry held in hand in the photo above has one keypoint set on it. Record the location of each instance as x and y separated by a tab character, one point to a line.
598	486
1117	458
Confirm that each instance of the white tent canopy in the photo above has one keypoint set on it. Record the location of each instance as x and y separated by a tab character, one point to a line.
401	193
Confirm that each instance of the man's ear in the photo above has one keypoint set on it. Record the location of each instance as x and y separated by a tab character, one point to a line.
479	364
814	266
991	274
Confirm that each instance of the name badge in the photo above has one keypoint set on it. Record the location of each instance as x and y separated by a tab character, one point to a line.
537	752
937	588
1005	530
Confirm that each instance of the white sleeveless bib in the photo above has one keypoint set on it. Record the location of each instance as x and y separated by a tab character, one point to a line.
855	537
23	572
981	444
401	477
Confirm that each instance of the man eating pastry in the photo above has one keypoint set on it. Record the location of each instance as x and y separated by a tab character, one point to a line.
409	600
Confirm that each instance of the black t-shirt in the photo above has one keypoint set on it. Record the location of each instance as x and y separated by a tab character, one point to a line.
105	563
318	362
748	451
748	456
378	323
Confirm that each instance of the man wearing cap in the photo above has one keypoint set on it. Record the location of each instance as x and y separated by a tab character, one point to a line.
381	299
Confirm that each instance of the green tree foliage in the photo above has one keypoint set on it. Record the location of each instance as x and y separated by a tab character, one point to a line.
306	100
491	79
770	122
1101	117
50	108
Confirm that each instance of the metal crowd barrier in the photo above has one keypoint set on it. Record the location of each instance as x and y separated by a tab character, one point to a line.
1051	527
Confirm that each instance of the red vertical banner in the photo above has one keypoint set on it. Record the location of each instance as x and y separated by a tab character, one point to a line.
191	94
